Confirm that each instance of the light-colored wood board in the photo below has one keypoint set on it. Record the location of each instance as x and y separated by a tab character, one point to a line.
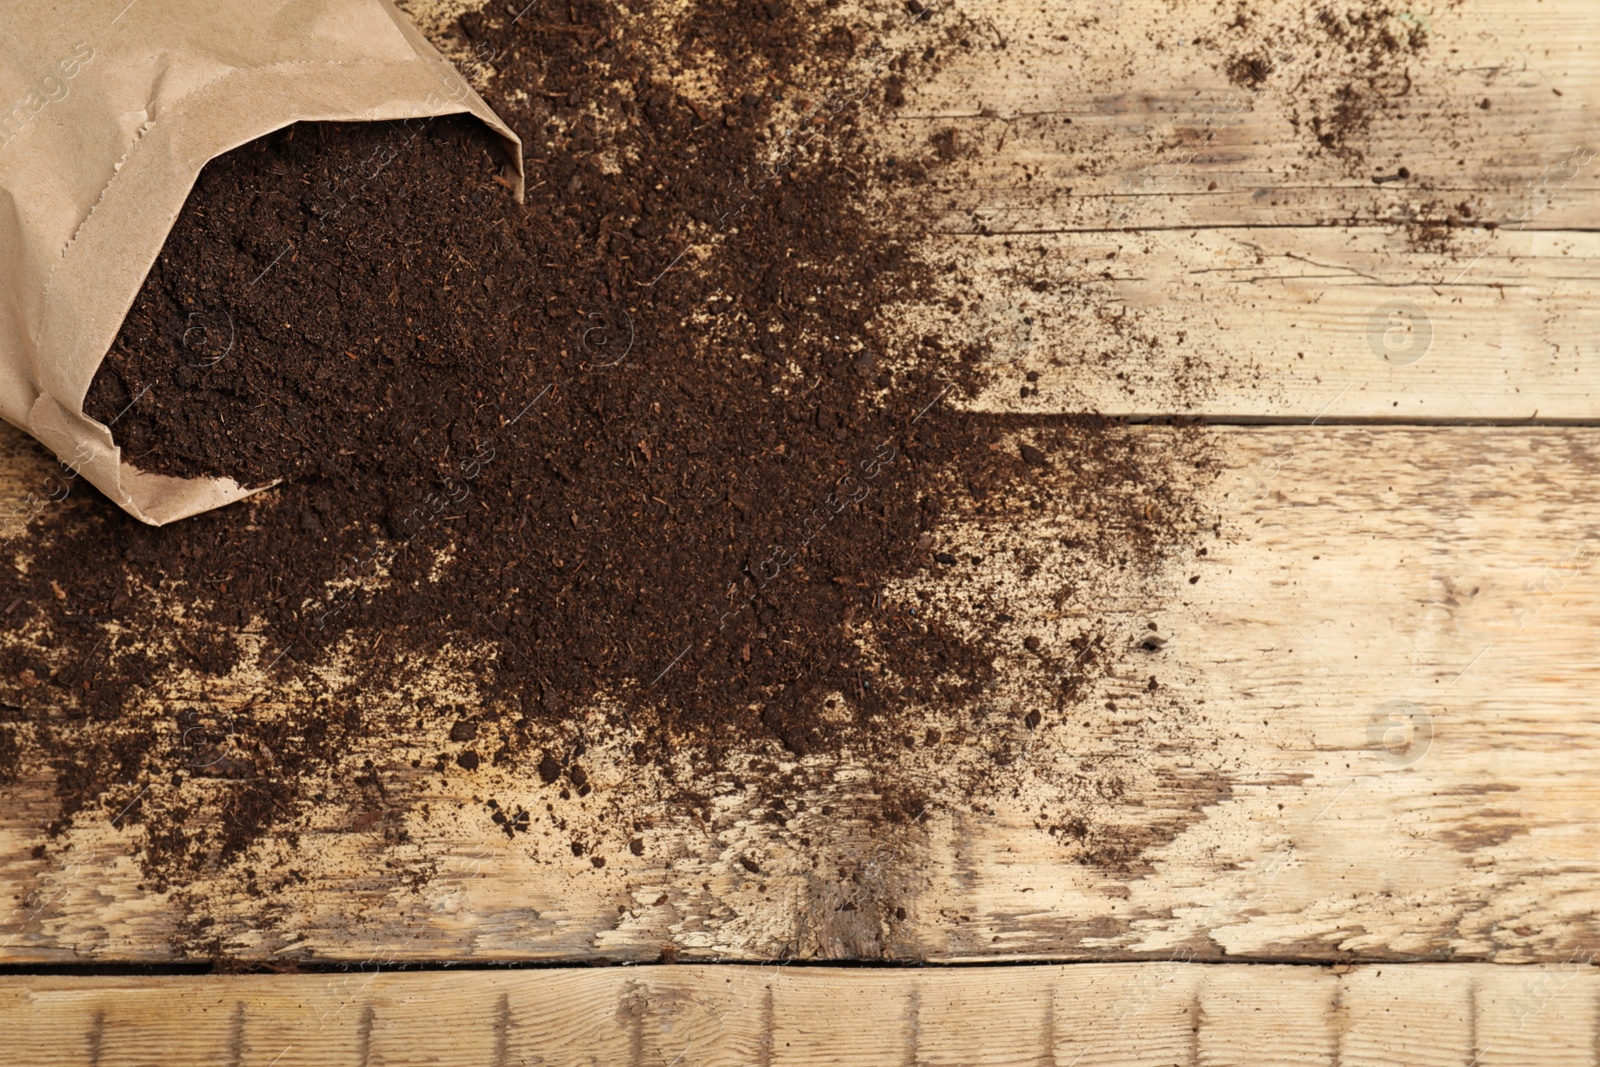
1372	735
1310	324
1123	115
1151	239
1095	1015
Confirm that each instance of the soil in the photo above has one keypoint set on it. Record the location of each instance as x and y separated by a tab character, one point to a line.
659	444
1349	64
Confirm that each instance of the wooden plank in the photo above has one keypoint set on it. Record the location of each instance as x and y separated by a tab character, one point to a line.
1123	115
1303	323
1151	239
1095	1015
1373	665
1372	736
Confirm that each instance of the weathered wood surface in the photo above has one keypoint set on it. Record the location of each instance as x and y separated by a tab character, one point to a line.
1119	1015
1391	633
1120	114
1115	175
1374	737
1289	323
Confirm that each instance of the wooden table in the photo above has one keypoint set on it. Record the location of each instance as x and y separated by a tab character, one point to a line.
1366	785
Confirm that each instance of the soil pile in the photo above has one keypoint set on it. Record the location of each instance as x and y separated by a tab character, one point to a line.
656	439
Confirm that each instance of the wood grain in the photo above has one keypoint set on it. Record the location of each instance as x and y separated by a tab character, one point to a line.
1286	323
1121	115
1117	1015
1180	245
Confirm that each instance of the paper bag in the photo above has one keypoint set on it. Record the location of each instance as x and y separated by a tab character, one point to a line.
108	111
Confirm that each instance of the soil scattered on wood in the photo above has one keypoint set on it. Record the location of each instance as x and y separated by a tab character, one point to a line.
661	449
1346	64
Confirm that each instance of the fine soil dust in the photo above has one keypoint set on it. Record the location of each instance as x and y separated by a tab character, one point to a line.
650	465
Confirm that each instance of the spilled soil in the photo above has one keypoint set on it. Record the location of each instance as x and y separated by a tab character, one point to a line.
661	449
1360	58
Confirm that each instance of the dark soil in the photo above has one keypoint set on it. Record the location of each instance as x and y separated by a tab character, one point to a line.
1342	66
648	441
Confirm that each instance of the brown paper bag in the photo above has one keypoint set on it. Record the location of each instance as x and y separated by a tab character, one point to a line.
110	109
